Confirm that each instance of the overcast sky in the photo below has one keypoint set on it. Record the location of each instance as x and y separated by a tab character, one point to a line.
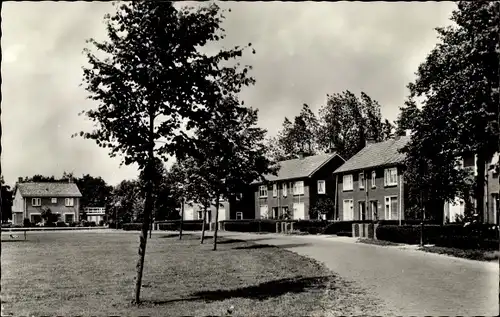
304	52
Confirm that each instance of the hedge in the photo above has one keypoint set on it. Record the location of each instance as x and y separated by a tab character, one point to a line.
252	225
478	236
342	226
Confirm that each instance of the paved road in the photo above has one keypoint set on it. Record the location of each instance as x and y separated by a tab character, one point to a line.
410	282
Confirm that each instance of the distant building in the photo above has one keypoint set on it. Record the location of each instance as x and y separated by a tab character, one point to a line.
299	184
63	199
95	214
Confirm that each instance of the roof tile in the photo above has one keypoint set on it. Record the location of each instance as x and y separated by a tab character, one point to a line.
376	154
49	190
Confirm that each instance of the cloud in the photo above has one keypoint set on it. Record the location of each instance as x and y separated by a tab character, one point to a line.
304	51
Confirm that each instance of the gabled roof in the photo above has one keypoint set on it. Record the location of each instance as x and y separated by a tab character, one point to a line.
376	154
49	190
299	168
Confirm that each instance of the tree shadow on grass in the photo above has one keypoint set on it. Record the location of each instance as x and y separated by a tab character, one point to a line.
170	235
13	240
228	240
264	246
260	291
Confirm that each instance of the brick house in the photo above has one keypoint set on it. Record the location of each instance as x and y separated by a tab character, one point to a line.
454	210
371	184
299	184
492	192
63	199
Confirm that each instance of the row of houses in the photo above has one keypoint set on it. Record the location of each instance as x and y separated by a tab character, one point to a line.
368	186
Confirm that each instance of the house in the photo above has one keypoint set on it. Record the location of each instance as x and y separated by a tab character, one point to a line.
62	199
193	211
455	210
95	214
370	184
492	191
299	184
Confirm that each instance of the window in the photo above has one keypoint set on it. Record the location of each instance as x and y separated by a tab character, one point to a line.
69	218
362	210
374	177
54	200
36	202
298	188
361	180
69	202
239	215
347	210
391	208
321	187
285	189
264	212
347	182
391	177
263	191
275	190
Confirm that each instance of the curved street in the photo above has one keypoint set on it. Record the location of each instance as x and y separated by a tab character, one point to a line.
408	281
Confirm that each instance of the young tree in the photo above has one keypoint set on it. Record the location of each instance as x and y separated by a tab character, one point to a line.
152	79
232	149
459	80
7	200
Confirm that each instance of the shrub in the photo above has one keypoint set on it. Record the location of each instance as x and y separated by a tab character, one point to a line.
132	226
73	224
101	223
61	224
49	224
91	224
26	222
311	226
342	226
252	225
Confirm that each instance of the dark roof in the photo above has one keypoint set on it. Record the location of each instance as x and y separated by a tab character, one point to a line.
376	154
300	168
49	190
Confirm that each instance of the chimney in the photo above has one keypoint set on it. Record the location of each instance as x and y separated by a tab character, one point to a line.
19	179
70	179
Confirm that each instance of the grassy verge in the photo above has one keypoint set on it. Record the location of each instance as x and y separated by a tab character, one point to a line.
377	242
92	273
480	255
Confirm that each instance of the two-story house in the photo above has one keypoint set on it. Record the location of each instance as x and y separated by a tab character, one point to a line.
63	199
453	211
371	185
299	184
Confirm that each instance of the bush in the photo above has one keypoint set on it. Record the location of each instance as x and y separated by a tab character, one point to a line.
92	224
101	223
311	226
49	224
61	224
342	226
252	225
132	226
479	236
26	222
73	224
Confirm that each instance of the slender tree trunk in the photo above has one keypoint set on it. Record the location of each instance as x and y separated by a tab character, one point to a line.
203	225
182	219
148	206
144	235
480	182
216	221
151	221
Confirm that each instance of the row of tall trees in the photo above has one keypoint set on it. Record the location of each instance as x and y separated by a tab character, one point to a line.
343	125
458	82
160	94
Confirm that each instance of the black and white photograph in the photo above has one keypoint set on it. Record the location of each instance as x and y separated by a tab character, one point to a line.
241	158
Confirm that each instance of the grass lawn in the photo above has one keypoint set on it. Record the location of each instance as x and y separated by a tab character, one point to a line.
480	255
92	273
377	242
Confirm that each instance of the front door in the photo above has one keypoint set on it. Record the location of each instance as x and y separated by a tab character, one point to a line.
362	210
284	212
275	212
374	212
